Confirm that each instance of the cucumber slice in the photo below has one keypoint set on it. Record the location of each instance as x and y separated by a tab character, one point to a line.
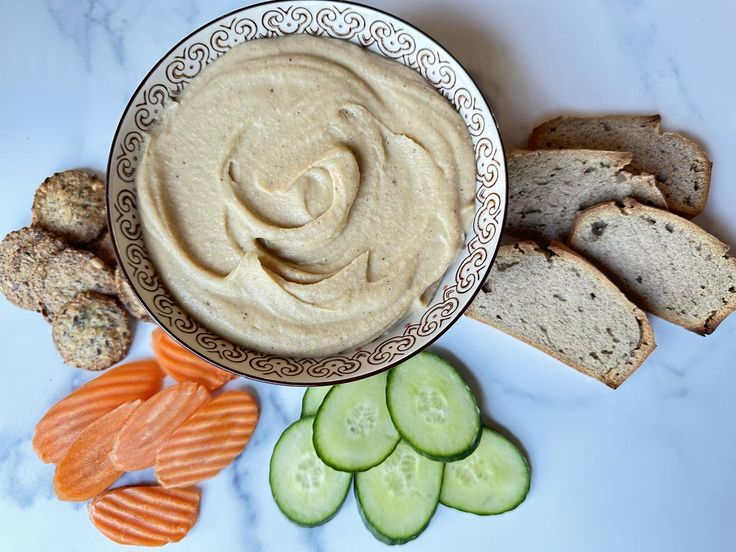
312	398
433	408
307	491
398	498
353	430
492	480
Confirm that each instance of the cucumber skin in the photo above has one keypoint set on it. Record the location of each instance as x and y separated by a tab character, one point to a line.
304	400
386	539
512	507
342	469
485	514
323	400
302	413
358	469
270	485
453	457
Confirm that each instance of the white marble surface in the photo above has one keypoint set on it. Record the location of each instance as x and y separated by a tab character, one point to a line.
646	467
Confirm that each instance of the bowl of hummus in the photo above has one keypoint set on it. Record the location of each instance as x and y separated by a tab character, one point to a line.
306	192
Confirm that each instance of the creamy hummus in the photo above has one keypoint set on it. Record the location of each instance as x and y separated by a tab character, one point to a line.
304	194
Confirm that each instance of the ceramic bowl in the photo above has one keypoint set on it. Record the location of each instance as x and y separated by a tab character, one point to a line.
383	34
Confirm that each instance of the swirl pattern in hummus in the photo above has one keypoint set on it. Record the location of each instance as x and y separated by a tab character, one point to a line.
304	194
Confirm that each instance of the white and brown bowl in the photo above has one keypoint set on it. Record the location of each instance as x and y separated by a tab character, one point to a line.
381	33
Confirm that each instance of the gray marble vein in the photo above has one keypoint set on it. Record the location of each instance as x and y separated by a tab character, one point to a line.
86	22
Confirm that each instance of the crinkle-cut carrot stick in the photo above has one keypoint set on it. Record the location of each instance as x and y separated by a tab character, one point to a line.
187	370
63	422
145	516
208	441
86	469
183	365
140	439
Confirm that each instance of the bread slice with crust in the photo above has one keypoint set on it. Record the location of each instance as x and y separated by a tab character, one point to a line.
547	188
666	264
558	302
680	165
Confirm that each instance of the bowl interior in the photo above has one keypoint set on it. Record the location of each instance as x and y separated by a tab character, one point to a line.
385	35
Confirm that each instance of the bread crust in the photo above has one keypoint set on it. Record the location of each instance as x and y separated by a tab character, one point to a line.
536	140
646	341
532	217
629	207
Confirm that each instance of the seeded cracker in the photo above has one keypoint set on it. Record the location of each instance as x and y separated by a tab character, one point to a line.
22	252
68	273
92	331
72	205
102	247
128	298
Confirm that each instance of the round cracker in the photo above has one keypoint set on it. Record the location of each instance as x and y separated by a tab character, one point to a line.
69	272
102	247
22	253
72	205
92	331
128	297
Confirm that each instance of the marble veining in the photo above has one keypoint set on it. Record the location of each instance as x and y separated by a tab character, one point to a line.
83	23
646	467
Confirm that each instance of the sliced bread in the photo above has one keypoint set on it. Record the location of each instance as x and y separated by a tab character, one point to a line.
680	165
547	188
666	264
558	302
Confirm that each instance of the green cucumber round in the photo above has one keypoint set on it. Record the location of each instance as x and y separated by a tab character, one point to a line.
353	430
398	498
306	490
492	480
433	408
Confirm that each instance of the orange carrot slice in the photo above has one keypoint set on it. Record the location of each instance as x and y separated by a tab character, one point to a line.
86	469
145	516
64	421
208	441
183	365
140	439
